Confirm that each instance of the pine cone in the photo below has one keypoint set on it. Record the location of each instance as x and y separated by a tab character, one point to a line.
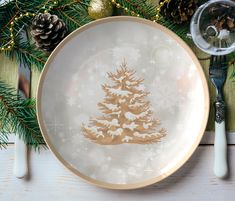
47	31
179	11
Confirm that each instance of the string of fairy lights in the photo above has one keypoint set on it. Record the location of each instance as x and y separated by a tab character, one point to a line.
49	5
20	16
158	9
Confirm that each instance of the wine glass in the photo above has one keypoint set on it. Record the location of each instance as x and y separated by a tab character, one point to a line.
213	27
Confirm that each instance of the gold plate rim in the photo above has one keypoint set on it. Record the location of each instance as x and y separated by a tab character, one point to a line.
149	181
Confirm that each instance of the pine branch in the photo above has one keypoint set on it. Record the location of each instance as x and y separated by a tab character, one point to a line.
148	11
28	54
18	116
74	14
141	7
180	30
8	11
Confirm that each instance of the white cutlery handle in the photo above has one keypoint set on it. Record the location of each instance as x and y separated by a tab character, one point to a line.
20	163
220	146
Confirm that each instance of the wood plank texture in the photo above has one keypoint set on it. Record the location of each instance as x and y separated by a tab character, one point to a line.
50	181
208	138
8	70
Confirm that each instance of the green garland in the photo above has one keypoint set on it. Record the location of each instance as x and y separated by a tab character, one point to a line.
19	116
73	13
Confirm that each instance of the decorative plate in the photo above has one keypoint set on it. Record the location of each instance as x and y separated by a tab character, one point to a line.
122	102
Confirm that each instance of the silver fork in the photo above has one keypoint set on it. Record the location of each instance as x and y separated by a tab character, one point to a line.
218	74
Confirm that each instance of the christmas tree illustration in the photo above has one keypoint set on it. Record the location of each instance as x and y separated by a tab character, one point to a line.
127	115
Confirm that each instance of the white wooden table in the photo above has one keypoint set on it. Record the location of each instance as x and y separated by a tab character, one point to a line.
49	180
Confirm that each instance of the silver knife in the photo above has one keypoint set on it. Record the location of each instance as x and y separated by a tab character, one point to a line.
20	162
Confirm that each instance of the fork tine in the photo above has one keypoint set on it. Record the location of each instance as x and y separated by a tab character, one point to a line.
212	62
220	60
223	60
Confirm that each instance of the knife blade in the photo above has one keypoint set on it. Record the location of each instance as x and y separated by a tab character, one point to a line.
20	162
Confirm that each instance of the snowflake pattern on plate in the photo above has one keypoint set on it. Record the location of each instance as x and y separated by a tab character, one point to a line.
72	89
